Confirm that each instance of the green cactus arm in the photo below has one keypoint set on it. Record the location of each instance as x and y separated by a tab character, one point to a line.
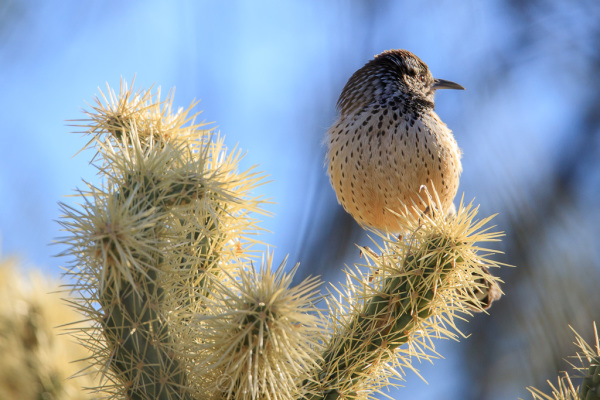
414	286
587	366
171	211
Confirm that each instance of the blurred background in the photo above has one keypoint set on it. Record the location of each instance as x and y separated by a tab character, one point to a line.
268	73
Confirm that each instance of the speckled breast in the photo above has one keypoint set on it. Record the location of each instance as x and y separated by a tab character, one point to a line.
380	160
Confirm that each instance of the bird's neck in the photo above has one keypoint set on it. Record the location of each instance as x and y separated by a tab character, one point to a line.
407	102
402	104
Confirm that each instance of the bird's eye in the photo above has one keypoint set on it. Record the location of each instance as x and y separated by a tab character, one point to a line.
422	78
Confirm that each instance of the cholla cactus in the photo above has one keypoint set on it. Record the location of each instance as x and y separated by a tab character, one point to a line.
410	294
261	335
36	361
586	366
171	211
163	267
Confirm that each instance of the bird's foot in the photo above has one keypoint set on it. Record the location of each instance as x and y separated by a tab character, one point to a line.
369	251
372	254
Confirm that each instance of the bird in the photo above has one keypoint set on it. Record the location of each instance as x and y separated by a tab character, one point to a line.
388	147
388	141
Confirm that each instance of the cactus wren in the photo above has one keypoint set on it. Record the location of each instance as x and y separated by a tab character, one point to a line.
389	143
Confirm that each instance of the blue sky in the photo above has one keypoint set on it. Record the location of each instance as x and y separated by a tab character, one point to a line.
268	74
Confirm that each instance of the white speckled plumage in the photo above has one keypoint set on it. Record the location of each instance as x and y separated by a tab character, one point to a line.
388	142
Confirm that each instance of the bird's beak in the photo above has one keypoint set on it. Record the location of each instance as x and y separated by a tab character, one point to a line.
444	84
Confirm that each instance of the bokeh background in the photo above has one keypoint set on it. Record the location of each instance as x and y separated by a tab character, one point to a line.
269	73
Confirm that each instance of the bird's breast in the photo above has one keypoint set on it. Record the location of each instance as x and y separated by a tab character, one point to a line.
380	159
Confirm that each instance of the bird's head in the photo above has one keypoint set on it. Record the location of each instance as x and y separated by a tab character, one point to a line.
392	74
